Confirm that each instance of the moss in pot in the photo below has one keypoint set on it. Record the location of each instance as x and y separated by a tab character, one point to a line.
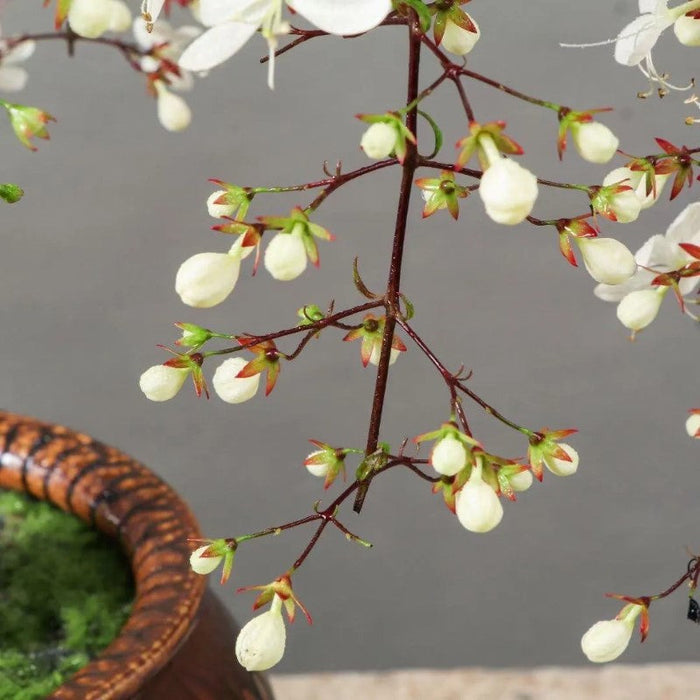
65	592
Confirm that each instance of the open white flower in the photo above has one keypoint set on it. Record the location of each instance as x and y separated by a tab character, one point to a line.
661	253
260	644
607	639
12	77
233	22
634	43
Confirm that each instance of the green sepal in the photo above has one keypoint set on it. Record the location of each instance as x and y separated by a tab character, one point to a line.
421	10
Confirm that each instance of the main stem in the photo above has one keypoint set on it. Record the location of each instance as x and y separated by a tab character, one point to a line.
391	299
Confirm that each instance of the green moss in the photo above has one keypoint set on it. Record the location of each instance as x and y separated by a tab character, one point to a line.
65	592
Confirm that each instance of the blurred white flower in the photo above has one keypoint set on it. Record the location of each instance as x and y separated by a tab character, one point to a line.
92	18
12	77
233	22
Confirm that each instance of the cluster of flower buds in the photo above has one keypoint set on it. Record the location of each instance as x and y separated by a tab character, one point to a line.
657	261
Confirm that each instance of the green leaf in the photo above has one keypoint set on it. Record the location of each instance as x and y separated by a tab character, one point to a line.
11	193
437	133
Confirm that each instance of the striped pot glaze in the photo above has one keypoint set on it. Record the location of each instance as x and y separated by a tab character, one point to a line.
178	642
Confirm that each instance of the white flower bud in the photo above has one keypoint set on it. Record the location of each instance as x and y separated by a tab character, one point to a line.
119	17
161	382
607	639
449	456
561	467
477	506
687	30
231	388
594	141
692	425
637	180
319	469
92	18
285	255
377	353
206	279
173	112
639	308
458	40
203	565
260	644
607	260
379	140
521	481
219	210
626	204
508	191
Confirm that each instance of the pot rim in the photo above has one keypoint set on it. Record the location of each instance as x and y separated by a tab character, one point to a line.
126	501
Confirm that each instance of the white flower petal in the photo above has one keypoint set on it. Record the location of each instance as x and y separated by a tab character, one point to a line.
216	45
606	640
19	53
637	39
685	228
260	644
153	8
231	388
343	17
12	78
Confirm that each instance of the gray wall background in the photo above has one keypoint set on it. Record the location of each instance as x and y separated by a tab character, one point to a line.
114	204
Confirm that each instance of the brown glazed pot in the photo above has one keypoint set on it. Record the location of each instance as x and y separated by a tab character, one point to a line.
178	642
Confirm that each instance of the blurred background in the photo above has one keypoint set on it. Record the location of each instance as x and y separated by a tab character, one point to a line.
114	204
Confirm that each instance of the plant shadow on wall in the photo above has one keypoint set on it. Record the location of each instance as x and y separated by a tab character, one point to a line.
461	468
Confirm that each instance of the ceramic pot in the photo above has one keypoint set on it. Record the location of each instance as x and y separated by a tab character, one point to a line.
178	642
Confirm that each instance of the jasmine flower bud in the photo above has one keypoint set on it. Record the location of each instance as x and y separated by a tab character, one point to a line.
229	386
594	141
607	260
161	382
260	644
